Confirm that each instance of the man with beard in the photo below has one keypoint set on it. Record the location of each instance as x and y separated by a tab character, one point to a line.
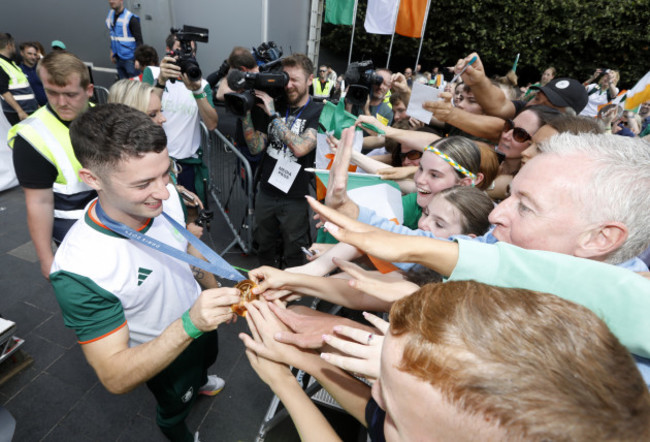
289	146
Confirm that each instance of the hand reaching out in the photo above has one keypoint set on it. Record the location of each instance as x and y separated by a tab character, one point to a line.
361	351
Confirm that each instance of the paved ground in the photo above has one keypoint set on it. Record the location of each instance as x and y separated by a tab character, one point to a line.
58	398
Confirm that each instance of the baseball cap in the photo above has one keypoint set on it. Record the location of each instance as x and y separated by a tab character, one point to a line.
563	92
57	44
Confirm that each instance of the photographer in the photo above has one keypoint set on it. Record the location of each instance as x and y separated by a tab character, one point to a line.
242	59
184	110
239	58
377	106
289	146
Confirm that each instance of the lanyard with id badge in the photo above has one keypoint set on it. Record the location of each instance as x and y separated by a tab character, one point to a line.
285	171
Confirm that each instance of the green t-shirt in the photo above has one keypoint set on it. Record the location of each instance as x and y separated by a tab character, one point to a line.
620	297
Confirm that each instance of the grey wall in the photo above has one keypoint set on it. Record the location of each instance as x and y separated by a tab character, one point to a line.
80	25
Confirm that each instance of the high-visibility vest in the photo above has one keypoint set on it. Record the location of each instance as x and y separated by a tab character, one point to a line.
322	92
51	138
122	40
19	88
387	98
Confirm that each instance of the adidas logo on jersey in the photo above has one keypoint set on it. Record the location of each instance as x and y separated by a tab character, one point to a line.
143	274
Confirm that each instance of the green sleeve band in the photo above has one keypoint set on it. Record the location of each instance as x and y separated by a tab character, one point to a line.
189	326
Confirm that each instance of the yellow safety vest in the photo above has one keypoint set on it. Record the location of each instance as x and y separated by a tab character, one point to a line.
320	92
19	88
51	138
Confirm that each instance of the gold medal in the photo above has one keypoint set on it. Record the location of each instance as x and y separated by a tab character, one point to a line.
245	288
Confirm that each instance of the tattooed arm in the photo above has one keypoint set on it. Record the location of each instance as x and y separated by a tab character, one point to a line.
255	139
301	144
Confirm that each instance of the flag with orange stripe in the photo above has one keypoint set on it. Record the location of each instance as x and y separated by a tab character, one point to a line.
410	18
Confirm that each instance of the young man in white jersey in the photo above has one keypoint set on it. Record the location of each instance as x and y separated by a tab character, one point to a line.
138	313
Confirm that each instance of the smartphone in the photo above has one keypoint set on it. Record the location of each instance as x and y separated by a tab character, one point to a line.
308	253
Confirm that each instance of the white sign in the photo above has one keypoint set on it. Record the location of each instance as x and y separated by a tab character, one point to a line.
419	94
284	174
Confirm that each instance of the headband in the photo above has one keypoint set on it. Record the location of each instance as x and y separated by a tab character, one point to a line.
451	162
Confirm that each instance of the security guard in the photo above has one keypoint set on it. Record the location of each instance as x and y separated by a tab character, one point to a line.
43	157
126	35
18	100
322	85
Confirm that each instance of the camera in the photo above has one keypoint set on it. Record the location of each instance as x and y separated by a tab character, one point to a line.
204	218
271	79
361	76
185	55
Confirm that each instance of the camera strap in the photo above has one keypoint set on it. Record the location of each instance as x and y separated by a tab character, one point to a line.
216	264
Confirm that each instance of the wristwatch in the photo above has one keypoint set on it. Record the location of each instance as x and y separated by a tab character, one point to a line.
275	115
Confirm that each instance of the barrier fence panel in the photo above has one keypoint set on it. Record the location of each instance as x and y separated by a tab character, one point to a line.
231	186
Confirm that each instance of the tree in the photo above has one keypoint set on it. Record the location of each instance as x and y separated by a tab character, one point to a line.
574	36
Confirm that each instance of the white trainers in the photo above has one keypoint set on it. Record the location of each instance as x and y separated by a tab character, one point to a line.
214	385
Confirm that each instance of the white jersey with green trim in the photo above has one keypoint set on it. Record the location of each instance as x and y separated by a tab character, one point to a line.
102	280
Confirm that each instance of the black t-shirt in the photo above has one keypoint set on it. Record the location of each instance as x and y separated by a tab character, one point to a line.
33	170
260	123
375	418
307	118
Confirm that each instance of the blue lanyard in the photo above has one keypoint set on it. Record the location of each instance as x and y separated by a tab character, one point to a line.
216	265
286	118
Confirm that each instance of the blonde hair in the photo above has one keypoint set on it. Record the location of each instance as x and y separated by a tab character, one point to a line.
132	93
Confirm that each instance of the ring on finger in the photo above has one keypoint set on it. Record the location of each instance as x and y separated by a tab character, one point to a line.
370	336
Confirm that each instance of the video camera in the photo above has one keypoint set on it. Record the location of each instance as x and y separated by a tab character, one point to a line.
271	79
185	54
361	76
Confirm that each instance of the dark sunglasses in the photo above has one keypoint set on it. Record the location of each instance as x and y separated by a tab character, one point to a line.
411	155
518	134
322	71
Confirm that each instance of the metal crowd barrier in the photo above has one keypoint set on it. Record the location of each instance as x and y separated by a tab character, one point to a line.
231	186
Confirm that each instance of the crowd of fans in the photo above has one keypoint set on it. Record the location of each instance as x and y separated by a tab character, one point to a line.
514	286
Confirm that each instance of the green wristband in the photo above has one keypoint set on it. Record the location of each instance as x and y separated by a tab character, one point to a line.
189	326
201	95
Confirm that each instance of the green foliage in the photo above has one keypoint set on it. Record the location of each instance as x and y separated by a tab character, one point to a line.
575	36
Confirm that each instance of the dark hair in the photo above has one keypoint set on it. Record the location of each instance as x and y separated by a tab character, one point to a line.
474	206
395	97
146	55
575	124
109	133
170	40
27	44
5	39
301	61
240	56
544	113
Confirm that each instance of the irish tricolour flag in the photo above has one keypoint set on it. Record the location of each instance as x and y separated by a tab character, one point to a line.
382	196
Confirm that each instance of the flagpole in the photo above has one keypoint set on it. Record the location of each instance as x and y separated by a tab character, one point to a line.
354	23
424	27
392	38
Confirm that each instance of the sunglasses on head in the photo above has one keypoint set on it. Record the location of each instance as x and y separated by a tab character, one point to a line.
518	134
411	155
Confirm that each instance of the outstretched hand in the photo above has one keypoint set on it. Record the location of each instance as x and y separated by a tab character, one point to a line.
363	348
385	288
265	325
441	109
475	72
337	195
